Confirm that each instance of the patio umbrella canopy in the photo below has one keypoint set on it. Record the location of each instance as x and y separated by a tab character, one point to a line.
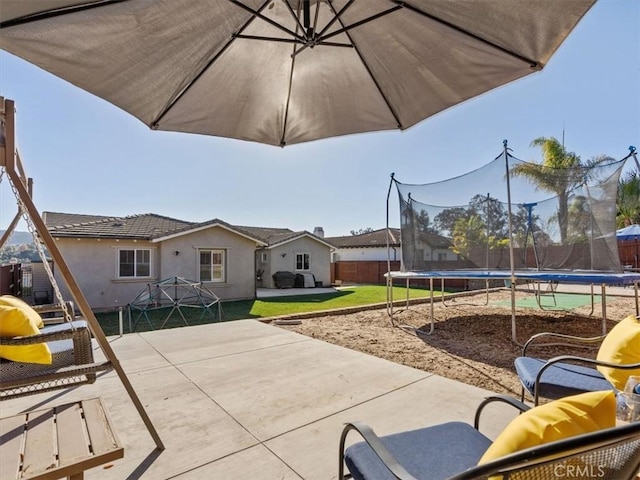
287	71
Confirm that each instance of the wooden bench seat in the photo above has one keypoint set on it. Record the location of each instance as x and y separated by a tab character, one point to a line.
57	442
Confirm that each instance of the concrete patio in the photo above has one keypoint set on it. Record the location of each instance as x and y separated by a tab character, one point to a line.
246	399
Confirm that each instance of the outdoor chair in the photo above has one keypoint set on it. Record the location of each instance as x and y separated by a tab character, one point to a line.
457	451
71	350
617	358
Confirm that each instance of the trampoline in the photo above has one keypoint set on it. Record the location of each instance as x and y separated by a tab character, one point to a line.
538	223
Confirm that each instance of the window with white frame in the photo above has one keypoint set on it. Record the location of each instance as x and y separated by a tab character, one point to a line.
212	265
302	261
134	263
264	257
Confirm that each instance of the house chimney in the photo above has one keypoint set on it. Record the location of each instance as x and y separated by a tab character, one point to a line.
318	232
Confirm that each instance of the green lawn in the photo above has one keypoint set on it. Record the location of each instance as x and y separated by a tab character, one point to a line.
266	307
555	301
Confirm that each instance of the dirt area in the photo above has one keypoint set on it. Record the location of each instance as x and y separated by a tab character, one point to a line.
472	340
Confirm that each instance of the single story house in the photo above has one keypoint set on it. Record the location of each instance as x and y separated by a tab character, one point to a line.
367	246
115	258
289	251
373	246
364	258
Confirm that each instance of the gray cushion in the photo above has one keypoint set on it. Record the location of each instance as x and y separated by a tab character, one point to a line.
559	380
437	452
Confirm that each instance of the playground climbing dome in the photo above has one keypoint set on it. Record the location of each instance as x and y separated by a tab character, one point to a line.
169	298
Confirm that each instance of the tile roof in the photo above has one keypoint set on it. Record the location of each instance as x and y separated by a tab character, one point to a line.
376	238
267	233
150	226
143	226
200	225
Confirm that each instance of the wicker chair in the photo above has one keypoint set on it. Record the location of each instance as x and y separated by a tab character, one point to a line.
72	357
452	451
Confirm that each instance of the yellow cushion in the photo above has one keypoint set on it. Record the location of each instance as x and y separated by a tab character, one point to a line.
11	301
564	418
16	321
621	345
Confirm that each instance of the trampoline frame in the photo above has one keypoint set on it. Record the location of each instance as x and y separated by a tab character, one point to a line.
578	278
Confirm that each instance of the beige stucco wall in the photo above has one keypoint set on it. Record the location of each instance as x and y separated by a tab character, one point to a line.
93	264
283	258
240	268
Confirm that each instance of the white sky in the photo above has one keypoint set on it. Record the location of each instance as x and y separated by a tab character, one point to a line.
86	156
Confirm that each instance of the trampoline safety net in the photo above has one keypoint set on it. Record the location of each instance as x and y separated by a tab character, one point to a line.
561	219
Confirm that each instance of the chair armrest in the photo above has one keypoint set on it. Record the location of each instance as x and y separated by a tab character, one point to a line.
590	361
574	359
77	330
570	341
378	448
39	338
55	308
523	407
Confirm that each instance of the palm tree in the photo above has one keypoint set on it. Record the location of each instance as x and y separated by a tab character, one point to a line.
628	204
560	172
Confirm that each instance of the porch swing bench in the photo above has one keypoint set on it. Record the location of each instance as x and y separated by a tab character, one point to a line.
72	364
70	341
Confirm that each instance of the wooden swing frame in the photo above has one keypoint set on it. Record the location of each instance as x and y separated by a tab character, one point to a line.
11	162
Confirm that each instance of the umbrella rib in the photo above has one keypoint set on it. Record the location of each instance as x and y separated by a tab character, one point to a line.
361	22
373	79
286	109
269	39
532	63
336	16
172	101
295	17
57	12
259	15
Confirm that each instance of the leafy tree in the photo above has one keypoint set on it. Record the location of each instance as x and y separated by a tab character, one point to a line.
445	221
422	222
579	219
467	233
493	213
628	203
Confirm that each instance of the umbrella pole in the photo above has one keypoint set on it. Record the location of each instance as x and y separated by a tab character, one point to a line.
8	160
512	267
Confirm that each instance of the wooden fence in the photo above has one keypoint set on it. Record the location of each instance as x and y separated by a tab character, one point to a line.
11	280
629	254
372	272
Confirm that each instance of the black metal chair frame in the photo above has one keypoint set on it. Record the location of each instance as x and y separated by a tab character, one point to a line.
566	341
529	463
